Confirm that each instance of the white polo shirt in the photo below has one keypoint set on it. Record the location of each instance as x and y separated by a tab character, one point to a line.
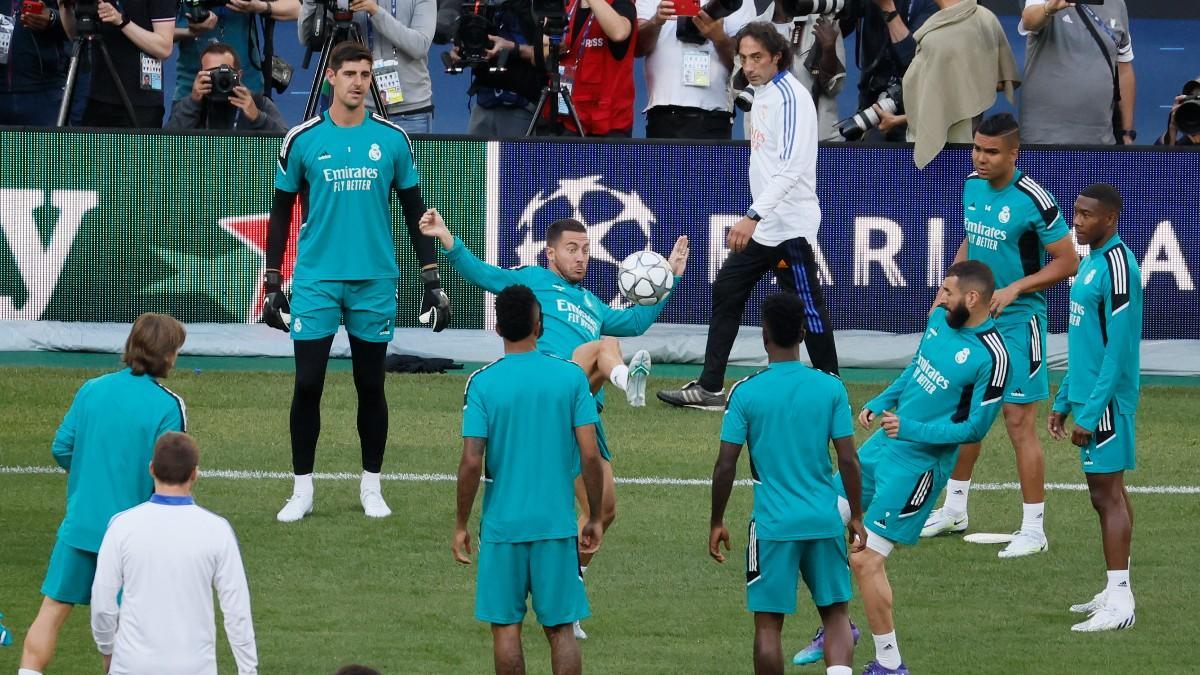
665	66
166	556
783	162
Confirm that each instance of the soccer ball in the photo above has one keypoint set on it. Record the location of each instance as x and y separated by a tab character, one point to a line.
645	278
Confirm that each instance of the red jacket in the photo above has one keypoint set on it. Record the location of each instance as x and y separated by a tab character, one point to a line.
602	87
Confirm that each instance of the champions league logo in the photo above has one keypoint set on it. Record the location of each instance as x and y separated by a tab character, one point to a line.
618	224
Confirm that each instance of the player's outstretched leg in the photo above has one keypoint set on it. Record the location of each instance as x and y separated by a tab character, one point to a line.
42	637
601	360
565	658
871	574
506	649
312	358
1115	605
368	360
1020	420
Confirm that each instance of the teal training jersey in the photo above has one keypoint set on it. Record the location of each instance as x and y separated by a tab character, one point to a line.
787	413
1104	335
105	443
527	407
571	314
952	390
1008	230
347	174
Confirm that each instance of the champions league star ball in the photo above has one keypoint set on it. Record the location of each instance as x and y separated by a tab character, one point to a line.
645	278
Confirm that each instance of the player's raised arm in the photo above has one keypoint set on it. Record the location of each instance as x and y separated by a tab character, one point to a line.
488	277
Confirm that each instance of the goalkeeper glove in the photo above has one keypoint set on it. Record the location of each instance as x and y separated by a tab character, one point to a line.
276	311
435	306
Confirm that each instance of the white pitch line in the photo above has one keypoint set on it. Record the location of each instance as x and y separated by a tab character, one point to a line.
654	480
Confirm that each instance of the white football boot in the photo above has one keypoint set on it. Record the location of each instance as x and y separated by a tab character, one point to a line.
939	522
1115	616
297	507
1091	606
373	504
639	370
1023	544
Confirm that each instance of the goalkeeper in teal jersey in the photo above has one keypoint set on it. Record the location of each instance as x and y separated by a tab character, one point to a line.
575	320
1010	224
948	395
105	443
1101	391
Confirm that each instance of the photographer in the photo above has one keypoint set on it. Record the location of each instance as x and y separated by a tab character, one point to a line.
507	85
886	47
819	63
597	57
963	58
239	109
398	33
688	83
138	35
233	24
1184	118
33	64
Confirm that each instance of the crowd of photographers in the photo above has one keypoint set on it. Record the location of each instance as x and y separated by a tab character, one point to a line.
929	68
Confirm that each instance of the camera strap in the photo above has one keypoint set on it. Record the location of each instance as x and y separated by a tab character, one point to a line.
1089	19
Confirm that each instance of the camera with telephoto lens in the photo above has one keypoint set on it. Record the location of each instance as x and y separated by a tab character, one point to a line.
196	11
686	31
854	127
1187	115
87	16
808	7
472	34
223	80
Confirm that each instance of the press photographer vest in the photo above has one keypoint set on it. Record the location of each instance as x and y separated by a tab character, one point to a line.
602	88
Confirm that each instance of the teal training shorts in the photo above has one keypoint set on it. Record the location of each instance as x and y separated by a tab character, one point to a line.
69	575
773	569
898	496
368	309
547	569
1112	447
1029	381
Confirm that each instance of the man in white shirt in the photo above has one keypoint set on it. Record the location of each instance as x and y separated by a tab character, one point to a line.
821	66
165	557
687	81
779	232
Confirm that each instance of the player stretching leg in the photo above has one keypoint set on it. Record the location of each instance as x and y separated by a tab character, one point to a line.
528	428
788	414
575	322
345	265
950	394
1011	222
1101	391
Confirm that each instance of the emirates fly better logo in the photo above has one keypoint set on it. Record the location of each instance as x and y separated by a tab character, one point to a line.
618	223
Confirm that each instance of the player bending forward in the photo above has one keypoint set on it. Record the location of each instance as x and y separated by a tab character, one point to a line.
575	320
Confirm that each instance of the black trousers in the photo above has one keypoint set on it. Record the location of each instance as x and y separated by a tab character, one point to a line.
795	270
670	121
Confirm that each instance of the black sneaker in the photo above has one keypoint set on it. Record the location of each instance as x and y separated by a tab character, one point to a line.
692	395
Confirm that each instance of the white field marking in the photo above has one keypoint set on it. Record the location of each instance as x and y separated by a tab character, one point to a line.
654	481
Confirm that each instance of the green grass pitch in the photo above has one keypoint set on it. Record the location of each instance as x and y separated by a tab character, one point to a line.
336	588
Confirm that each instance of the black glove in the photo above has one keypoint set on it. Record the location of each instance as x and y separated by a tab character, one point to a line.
435	306
276	311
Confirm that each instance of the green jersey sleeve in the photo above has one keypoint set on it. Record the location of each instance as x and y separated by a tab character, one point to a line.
406	165
987	393
631	321
475	420
63	447
843	421
289	171
488	277
734	426
583	411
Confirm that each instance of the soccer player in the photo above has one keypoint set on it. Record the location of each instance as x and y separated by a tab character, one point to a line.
779	231
345	265
1101	391
165	557
576	320
788	414
1011	223
948	395
104	443
529	428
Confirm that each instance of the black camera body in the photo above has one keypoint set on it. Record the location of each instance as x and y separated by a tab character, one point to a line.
197	11
223	79
472	29
1187	115
857	125
87	16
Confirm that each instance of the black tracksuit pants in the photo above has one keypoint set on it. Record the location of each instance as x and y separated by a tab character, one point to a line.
795	270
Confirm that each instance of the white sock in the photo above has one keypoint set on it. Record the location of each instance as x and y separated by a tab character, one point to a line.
1033	515
839	670
887	650
956	497
28	671
304	485
620	376
583	569
1119	588
370	481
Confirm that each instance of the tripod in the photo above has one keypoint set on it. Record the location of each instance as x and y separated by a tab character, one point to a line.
90	38
344	29
553	89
